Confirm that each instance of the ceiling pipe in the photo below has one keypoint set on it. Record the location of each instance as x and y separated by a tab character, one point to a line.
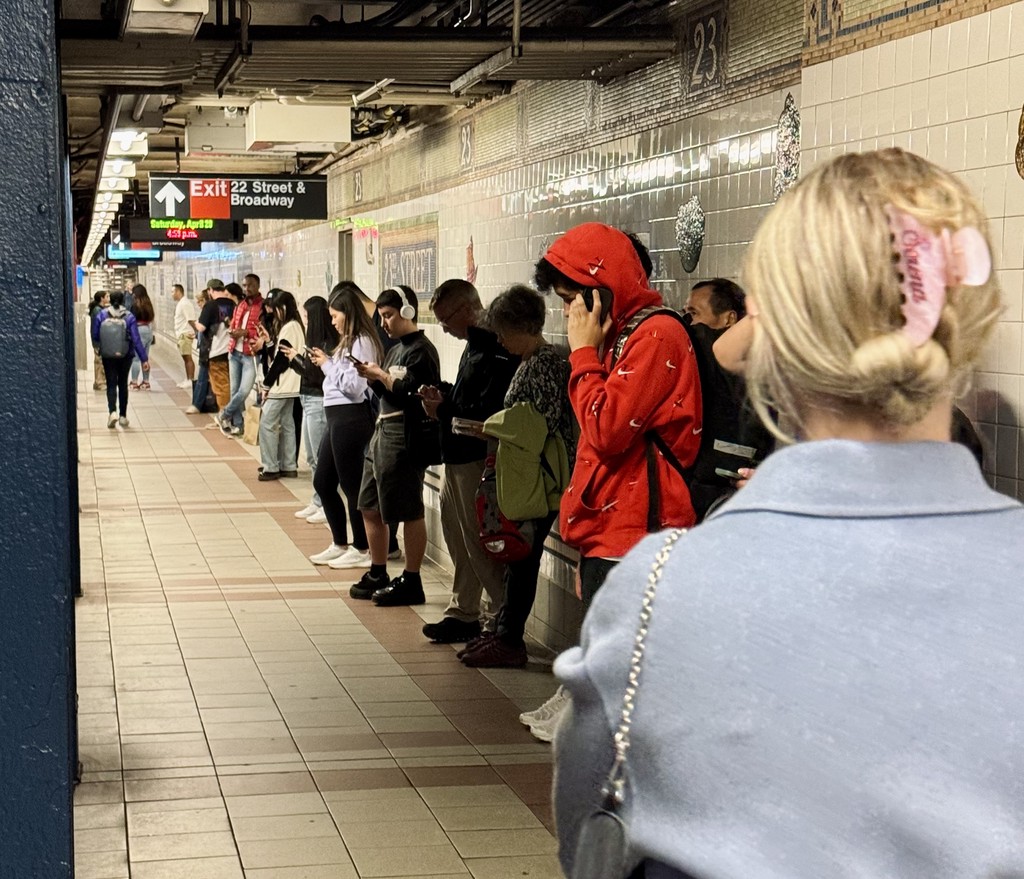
517	28
140	107
438	14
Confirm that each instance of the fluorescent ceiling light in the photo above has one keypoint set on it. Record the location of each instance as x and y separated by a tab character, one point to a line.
166	16
108	199
118	168
128	142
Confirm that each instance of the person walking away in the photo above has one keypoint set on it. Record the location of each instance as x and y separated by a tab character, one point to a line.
349	427
115	337
184	332
142	309
320	334
485	370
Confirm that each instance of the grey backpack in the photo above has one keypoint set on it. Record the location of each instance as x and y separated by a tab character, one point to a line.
114	337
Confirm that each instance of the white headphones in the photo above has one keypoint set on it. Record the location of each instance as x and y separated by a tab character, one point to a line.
408	311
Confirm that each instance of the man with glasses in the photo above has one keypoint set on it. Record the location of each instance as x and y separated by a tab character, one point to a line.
485	371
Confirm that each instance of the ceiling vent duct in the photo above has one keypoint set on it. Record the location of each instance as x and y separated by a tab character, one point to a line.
297	128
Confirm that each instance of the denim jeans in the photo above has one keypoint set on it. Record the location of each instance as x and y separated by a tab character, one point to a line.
201	386
146	334
242	368
314	426
277	435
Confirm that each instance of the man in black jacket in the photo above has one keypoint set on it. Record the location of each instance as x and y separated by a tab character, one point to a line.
399	451
485	371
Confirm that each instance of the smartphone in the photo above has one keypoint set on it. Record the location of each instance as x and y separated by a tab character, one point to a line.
466	426
284	343
606	300
727	474
354	359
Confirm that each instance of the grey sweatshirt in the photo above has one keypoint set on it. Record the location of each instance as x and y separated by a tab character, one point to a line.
834	682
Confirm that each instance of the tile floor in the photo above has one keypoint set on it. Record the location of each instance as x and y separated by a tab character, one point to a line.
240	716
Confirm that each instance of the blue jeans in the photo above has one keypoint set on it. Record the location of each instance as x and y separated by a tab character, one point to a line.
201	387
314	426
146	334
242	368
277	435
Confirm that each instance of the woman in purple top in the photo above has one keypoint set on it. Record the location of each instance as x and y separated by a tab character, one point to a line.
349	426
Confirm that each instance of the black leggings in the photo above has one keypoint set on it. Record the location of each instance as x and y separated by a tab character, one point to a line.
340	462
521	585
116	370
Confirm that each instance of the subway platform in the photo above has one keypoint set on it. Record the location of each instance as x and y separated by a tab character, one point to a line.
241	716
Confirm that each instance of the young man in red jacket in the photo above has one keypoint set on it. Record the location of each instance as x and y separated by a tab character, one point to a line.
629	408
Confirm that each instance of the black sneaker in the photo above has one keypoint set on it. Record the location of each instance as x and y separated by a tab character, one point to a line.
400	592
367	585
451	631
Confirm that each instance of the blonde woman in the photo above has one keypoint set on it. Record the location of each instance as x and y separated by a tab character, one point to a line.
831	683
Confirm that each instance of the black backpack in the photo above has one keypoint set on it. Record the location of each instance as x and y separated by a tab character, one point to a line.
710	478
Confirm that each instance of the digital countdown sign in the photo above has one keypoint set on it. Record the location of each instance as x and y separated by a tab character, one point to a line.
181	234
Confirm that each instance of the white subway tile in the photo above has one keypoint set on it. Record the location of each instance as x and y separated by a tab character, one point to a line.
937	107
938	62
956	95
999	35
1013	243
886	65
869	70
959	35
839	78
976	143
921	47
996	152
901	108
1016	29
904	66
977	43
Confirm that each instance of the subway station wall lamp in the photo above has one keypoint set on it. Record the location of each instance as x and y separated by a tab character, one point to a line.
119	168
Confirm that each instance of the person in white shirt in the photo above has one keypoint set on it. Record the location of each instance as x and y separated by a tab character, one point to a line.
185	332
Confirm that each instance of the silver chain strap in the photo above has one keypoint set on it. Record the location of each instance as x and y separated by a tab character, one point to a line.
614	789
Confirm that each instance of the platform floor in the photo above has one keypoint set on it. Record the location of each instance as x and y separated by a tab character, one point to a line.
241	716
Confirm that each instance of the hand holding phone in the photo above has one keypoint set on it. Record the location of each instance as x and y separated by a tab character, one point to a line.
284	343
605	296
350	356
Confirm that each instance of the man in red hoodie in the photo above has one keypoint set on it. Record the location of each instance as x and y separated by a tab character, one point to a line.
630	409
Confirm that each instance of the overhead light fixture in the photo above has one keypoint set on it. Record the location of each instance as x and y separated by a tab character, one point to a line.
118	168
128	143
374	91
181	17
108	199
114	184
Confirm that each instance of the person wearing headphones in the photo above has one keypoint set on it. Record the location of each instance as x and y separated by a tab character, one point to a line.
402	445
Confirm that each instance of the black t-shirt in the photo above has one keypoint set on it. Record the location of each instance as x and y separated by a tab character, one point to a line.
215	313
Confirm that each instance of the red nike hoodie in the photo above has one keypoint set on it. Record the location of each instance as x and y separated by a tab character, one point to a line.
653	385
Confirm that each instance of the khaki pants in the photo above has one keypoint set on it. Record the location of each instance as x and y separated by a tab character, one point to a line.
220	381
475	571
99	378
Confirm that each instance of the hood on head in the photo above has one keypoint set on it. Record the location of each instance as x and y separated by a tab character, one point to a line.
596	255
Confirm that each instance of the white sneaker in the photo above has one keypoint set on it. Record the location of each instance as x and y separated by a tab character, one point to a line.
395	555
352	558
112	420
191	410
306	511
318	517
184	385
328	555
549	709
122	421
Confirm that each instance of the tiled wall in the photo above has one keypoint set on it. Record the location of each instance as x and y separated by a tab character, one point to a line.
954	95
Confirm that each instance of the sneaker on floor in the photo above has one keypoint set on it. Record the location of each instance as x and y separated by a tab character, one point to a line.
497	653
289	474
367	585
452	631
112	420
475	643
191	410
123	421
552	708
184	385
144	386
544	730
133	385
328	555
306	511
400	592
268	475
353	558
394	555
235	431
317	517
